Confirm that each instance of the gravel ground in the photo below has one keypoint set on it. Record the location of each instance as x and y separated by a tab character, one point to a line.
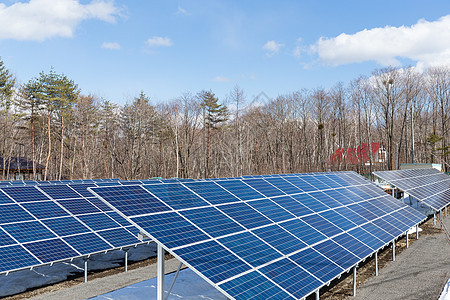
420	272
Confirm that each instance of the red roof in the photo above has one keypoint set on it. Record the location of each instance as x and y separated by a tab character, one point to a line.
354	155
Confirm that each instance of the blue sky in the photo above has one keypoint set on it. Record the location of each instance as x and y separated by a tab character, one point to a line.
115	49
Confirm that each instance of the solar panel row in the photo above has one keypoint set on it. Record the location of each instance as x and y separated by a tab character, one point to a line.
47	223
430	186
272	237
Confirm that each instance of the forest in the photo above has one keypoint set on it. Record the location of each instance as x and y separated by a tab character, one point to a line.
49	121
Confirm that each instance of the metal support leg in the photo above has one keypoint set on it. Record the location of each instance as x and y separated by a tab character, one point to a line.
440	217
376	263
393	250
354	281
417	232
434	219
317	294
173	281
85	269
126	260
407	241
160	273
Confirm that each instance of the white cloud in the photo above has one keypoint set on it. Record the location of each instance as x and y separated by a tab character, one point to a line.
111	46
158	41
272	48
426	42
221	79
38	20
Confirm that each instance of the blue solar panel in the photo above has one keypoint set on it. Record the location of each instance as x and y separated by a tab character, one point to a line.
175	195
65	226
59	191
98	221
4	199
301	184
87	243
271	210
5	239
51	250
13	213
284	185
293	206
213	261
251	249
28	231
337	254
280	239
44	210
212	221
137	200
291	277
82	189
213	192
78	206
353	245
317	264
254	286
118	237
171	229
245	215
310	202
303	231
240	189
15	257
25	194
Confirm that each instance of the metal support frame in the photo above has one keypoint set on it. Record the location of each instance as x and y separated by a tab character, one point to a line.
86	269
160	273
407	240
376	263
434	219
393	250
173	281
317	294
417	232
126	259
440	217
354	281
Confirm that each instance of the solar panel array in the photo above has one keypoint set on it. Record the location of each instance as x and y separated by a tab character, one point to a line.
274	237
48	223
430	186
